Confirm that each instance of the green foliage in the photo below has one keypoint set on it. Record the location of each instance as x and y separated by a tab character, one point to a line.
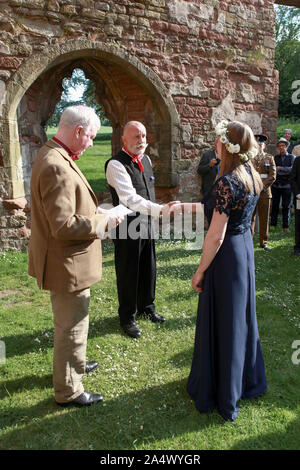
289	123
70	89
287	58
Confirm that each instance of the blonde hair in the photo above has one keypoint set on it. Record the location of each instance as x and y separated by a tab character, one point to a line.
239	133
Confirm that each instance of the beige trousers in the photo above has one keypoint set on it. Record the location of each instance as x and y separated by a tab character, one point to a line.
71	324
263	210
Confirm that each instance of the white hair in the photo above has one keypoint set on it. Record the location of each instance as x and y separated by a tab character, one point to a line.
79	115
288	130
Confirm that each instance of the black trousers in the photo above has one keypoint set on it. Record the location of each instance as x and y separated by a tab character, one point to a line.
286	195
135	264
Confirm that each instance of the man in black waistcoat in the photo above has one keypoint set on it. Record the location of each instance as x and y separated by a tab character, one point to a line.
131	182
295	182
281	188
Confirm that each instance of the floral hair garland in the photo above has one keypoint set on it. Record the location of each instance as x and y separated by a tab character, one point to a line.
221	130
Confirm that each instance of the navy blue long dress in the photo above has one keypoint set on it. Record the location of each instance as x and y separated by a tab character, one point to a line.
228	364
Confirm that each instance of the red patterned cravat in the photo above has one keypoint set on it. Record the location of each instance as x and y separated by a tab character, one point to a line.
74	156
135	158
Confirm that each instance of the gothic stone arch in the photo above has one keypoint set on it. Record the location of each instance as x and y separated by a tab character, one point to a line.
125	87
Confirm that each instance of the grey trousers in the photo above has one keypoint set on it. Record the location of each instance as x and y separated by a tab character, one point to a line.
71	324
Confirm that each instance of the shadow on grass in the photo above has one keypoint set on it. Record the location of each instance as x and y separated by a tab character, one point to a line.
125	422
128	421
24	343
29	382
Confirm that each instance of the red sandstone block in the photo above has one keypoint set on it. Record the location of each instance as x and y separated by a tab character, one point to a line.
158	25
174	28
184	30
12	204
215	94
136	12
24	232
10	62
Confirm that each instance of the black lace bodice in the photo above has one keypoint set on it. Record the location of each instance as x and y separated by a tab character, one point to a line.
228	194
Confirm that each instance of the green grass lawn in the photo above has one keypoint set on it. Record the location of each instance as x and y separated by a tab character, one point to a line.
144	381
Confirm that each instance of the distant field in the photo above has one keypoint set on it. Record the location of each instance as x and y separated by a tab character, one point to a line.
104	131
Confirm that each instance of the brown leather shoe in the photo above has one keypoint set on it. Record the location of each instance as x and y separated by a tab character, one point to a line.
85	399
287	230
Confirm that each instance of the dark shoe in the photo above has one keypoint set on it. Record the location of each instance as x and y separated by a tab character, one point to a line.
85	399
153	316
265	247
132	330
91	366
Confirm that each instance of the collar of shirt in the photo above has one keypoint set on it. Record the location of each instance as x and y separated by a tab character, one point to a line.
74	156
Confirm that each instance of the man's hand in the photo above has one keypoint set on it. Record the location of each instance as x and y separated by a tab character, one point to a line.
112	221
213	162
179	208
169	208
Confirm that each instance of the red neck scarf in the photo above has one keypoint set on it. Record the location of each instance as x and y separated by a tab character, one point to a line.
74	156
135	158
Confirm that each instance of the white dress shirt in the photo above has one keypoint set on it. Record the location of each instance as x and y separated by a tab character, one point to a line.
119	179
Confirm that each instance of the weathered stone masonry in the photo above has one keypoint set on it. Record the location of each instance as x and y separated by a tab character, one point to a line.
179	66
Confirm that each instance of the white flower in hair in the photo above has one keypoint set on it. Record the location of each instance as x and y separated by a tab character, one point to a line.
244	157
233	148
221	127
252	153
223	139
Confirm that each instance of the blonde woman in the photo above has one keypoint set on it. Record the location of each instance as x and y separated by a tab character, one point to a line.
228	364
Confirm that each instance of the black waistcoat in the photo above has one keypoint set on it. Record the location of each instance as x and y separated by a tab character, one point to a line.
143	182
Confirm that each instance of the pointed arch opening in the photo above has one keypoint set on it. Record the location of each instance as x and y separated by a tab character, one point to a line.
125	88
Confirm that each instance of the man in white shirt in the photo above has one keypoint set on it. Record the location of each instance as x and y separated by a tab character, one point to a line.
131	182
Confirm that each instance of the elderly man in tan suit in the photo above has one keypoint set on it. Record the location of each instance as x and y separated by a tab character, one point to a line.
265	166
64	250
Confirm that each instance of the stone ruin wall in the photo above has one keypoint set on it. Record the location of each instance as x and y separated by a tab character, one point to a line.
178	65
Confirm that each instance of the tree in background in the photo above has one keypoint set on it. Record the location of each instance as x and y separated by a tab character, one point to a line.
77	90
287	60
